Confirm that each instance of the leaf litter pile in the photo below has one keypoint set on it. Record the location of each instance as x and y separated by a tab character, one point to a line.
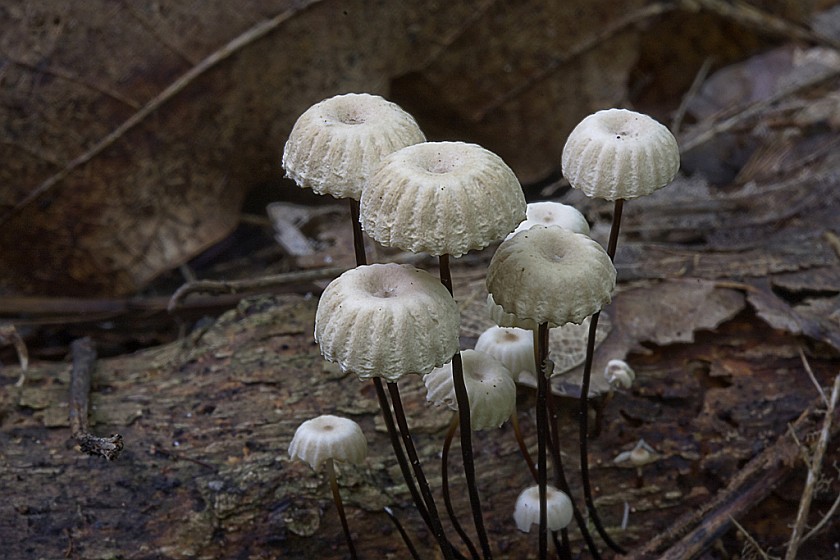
728	309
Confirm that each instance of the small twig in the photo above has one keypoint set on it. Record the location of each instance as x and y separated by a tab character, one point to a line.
84	359
831	511
803	450
699	78
810	372
750	539
8	333
250	284
813	475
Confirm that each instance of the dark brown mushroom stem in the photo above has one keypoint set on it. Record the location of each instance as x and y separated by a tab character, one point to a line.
403	534
466	428
444	482
584	397
560	480
358	240
422	482
339	505
520	441
540	354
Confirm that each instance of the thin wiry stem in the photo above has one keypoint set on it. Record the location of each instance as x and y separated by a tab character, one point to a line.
425	489
339	505
584	397
447	499
463	401
517	432
542	437
403	534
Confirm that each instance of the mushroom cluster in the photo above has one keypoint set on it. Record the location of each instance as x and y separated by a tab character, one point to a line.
380	322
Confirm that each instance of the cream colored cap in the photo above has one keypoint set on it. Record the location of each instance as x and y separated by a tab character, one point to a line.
616	153
386	320
442	198
490	389
549	213
551	275
336	143
559	511
512	346
328	437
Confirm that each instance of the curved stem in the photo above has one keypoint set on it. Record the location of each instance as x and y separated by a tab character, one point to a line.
394	435
463	401
584	396
517	432
542	436
444	477
340	507
403	534
425	489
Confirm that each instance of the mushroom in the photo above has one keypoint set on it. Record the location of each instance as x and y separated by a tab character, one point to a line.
559	509
445	199
642	454
336	143
549	213
387	320
327	439
512	346
616	155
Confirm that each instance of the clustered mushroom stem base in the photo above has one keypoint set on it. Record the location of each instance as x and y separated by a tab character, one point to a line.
540	353
463	401
444	480
584	395
339	505
425	489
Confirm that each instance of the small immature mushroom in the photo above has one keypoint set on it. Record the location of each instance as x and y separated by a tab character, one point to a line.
527	510
336	143
619	374
553	214
642	454
490	388
620	154
551	275
387	320
512	346
327	439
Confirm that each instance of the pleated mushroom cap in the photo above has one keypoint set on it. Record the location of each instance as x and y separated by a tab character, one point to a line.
616	153
559	510
548	213
512	346
551	275
328	437
387	320
336	143
490	389
442	198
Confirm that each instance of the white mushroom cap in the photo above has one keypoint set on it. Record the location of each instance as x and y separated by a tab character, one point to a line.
386	320
509	320
336	143
619	374
551	275
442	198
559	511
553	214
490	389
616	153
328	437
512	346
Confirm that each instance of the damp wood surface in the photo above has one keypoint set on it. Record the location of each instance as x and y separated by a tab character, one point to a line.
207	422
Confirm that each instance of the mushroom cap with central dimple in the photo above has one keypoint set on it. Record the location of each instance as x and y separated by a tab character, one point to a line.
387	320
328	437
620	154
514	347
551	275
336	143
442	198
